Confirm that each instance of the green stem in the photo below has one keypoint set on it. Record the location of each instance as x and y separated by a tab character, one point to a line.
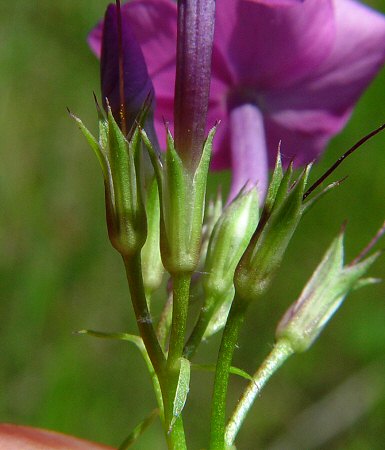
196	335
181	293
281	351
225	356
175	436
143	318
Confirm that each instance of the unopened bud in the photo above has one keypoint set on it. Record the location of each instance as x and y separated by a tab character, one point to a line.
322	296
120	162
229	240
268	245
182	204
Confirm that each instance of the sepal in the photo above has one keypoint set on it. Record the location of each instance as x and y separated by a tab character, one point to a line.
275	182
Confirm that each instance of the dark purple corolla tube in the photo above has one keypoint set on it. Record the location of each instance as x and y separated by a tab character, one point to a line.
125	82
193	74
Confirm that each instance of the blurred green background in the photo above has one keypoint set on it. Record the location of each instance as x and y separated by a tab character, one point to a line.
59	273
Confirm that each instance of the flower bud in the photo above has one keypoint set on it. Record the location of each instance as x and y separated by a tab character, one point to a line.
120	162
125	82
182	197
268	245
322	296
195	30
229	240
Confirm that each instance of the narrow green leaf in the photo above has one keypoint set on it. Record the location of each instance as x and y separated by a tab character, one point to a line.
136	340
211	368
139	430
240	373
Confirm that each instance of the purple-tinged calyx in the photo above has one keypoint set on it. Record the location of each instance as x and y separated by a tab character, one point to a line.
331	282
125	81
268	245
193	73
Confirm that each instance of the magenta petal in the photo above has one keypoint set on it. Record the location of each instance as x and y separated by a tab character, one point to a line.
217	114
277	2
318	107
221	158
164	111
298	145
270	46
94	39
357	55
154	24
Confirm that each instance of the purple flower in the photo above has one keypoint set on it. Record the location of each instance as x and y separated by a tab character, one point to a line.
289	73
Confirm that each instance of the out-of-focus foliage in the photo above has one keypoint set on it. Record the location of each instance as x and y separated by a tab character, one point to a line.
58	272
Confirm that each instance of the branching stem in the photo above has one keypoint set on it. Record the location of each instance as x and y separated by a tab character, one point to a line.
225	356
281	351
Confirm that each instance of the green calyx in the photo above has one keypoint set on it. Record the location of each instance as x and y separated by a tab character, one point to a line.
182	198
282	213
229	240
120	161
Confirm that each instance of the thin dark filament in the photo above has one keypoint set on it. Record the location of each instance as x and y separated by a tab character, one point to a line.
121	69
341	159
371	244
